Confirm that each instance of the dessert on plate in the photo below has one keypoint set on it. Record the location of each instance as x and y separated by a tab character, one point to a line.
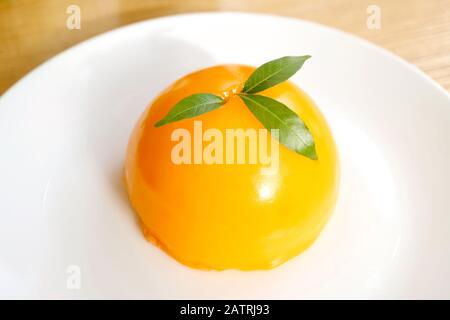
233	167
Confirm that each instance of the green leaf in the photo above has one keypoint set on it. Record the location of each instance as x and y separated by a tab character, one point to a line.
273	73
274	115
191	106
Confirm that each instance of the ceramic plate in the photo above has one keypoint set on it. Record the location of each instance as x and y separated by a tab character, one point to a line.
67	230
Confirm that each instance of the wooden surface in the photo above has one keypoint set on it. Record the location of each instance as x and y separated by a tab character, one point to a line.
32	31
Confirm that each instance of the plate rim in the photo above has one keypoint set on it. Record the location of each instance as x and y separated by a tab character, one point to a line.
110	33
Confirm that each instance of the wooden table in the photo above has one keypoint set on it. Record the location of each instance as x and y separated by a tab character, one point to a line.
32	31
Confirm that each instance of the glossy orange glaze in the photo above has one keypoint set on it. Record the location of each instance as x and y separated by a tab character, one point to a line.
223	216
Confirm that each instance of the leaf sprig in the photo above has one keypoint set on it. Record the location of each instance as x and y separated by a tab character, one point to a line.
292	131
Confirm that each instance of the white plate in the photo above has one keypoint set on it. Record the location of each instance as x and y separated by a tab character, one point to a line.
64	129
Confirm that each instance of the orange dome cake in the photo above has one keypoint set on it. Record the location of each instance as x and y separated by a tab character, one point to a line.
212	210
